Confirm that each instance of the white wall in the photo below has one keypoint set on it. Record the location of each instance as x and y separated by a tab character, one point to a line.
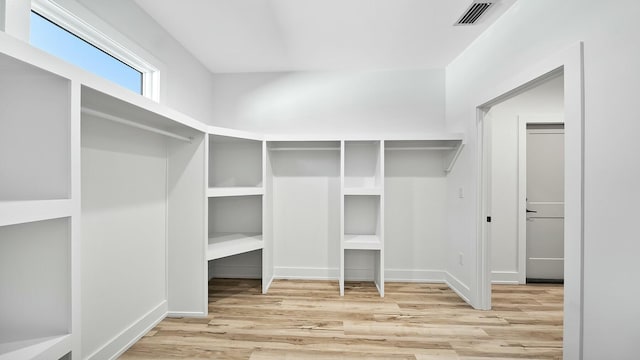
186	85
330	102
546	98
530	31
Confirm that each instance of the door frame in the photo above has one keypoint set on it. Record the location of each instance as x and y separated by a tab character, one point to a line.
570	62
523	121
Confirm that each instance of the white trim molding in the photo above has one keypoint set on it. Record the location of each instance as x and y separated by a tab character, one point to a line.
116	346
570	63
505	277
458	287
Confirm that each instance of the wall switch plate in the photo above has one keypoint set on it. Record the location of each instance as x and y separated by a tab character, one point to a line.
460	192
460	258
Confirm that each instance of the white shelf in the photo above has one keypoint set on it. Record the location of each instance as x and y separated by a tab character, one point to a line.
363	191
451	148
234	191
304	146
227	244
19	212
53	347
362	242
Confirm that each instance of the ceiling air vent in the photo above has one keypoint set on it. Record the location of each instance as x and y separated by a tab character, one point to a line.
474	13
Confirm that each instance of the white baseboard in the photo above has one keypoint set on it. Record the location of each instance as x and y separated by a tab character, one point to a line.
418	275
359	274
306	273
266	287
186	314
505	277
129	336
458	287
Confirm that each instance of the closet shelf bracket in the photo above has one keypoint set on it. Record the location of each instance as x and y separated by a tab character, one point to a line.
451	159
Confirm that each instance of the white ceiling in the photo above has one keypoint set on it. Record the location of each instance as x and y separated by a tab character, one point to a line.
284	35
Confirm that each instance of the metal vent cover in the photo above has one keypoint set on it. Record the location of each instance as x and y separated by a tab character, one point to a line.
474	12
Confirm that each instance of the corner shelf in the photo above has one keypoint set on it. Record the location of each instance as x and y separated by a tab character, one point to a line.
228	244
234	191
52	347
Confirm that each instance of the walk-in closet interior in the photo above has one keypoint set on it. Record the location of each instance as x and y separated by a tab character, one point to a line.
118	210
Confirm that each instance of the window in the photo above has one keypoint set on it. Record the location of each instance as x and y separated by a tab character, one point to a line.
57	41
79	37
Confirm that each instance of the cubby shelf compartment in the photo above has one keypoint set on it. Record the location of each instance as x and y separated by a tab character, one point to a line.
362	242
234	163
228	244
234	191
35	283
35	133
362	167
235	225
52	347
18	212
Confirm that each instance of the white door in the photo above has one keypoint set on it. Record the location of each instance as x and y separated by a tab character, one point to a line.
545	202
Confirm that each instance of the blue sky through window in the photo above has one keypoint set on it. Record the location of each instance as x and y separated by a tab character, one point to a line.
59	42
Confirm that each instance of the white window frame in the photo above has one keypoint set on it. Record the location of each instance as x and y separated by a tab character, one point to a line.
75	21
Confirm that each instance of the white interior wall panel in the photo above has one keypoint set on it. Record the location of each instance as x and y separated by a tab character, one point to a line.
415	223
124	209
306	213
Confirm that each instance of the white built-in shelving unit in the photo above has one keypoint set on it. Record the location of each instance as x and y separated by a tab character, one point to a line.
236	189
143	217
36	211
96	178
362	205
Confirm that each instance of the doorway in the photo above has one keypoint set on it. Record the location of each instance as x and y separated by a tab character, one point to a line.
568	62
537	111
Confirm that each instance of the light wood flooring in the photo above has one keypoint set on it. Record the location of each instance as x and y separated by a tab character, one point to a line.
309	320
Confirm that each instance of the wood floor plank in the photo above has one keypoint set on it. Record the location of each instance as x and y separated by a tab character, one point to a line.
309	320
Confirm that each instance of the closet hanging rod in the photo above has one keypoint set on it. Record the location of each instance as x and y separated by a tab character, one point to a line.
407	148
304	149
133	124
